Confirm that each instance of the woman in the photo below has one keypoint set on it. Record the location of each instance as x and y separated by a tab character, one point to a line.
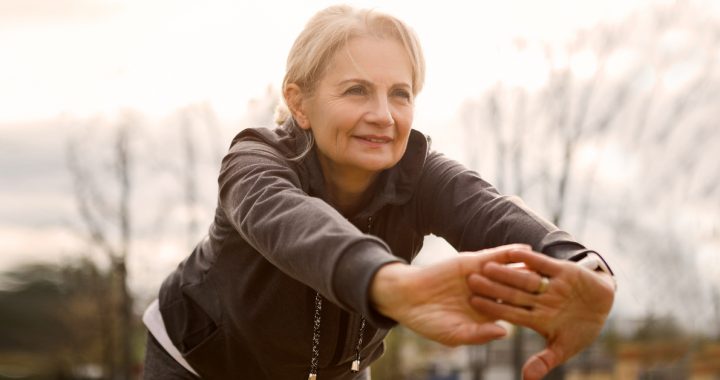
305	265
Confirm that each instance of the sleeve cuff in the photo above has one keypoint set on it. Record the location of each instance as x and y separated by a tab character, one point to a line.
593	261
353	276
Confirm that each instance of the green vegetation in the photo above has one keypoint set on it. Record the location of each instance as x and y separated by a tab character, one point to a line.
57	322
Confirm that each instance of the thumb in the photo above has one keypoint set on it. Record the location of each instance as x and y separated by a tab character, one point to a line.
540	364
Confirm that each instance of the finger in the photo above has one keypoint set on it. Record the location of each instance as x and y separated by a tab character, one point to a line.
510	313
478	333
471	261
506	248
494	290
503	254
538	262
525	280
540	364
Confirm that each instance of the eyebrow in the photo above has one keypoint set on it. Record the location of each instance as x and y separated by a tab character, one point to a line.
370	84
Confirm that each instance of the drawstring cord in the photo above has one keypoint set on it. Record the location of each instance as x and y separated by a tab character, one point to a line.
355	366
356	363
316	338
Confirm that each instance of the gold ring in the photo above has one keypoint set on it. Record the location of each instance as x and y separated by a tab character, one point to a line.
544	285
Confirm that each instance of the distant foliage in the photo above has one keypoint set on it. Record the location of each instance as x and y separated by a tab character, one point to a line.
51	322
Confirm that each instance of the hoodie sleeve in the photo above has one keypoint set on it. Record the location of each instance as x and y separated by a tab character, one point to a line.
458	205
303	236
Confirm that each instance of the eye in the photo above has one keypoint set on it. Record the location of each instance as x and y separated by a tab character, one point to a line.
402	94
355	90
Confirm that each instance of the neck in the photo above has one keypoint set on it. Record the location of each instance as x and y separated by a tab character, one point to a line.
348	190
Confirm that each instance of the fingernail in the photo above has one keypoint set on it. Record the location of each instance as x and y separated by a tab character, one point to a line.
500	331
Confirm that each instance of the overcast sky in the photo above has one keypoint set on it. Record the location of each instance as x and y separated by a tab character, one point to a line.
85	57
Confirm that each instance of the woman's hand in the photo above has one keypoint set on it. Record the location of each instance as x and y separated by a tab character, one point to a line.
434	301
569	313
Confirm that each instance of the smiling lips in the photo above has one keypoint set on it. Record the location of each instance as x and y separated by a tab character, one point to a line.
375	139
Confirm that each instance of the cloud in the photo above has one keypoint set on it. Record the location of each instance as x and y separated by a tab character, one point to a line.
28	12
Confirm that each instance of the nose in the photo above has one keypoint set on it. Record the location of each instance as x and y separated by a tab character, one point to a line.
380	112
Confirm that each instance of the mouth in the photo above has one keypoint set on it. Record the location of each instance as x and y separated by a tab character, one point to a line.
375	139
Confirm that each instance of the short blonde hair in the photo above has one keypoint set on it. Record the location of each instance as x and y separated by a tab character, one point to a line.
329	31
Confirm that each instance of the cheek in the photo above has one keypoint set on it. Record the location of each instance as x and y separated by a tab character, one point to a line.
405	125
326	141
401	147
404	128
405	118
337	124
329	139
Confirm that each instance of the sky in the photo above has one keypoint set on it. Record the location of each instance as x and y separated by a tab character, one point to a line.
84	57
66	60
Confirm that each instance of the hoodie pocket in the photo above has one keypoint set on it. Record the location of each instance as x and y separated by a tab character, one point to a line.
188	325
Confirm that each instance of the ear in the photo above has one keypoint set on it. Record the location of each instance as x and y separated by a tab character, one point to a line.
294	100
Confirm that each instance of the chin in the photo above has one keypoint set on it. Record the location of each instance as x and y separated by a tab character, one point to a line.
377	166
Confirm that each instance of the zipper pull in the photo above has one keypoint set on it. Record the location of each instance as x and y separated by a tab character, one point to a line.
312	376
355	367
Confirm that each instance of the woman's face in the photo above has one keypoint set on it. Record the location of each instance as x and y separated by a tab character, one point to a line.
362	109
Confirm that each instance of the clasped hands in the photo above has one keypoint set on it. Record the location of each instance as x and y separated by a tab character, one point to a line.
459	300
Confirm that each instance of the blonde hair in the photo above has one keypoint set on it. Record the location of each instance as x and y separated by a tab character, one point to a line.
329	31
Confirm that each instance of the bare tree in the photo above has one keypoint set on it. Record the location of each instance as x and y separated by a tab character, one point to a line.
189	176
189	154
664	133
105	213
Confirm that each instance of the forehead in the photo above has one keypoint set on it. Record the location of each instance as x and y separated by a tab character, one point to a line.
376	60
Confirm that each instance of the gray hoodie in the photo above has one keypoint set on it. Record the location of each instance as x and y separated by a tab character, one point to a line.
241	305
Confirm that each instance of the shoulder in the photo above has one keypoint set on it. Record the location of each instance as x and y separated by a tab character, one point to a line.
438	164
420	154
267	153
277	141
281	144
441	173
422	166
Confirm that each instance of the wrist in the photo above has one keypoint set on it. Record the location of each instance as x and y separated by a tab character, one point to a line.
388	288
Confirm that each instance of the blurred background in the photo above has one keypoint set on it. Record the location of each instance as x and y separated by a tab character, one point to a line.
114	115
